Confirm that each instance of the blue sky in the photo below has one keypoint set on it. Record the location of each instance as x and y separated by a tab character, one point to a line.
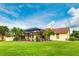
27	15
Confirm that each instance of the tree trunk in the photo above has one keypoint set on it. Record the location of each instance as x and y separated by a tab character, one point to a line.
47	38
32	36
2	37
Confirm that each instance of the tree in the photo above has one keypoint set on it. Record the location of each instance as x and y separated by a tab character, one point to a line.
17	32
38	37
3	31
72	38
47	33
14	31
75	33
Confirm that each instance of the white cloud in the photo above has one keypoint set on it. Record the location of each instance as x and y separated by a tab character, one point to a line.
3	9
32	6
72	22
60	24
51	24
74	12
37	20
75	16
11	23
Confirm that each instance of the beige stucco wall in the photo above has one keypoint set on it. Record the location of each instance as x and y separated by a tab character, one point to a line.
8	38
0	38
62	37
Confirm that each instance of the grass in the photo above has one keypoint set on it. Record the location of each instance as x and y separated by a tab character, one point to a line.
53	48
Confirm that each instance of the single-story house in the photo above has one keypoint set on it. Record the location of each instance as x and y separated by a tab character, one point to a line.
61	34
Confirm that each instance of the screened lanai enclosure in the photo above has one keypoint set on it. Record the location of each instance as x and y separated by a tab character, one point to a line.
34	34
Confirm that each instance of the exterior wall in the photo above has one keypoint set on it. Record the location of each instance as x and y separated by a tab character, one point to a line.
26	37
62	37
34	38
30	38
8	38
0	38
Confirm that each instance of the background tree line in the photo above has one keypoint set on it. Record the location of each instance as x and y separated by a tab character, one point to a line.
5	31
19	33
74	36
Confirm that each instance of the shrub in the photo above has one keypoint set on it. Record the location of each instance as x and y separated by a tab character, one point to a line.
73	38
37	39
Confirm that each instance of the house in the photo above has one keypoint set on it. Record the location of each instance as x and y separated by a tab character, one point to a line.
30	34
61	34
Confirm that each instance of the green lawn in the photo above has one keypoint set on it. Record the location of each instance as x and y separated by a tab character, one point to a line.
54	48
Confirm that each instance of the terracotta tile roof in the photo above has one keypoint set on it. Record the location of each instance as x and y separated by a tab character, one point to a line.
61	30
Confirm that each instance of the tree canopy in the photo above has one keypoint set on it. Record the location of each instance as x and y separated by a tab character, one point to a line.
3	31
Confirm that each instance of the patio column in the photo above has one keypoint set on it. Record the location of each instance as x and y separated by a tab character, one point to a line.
28	37
32	36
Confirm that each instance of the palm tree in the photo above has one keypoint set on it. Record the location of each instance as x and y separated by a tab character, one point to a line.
17	31
3	31
47	33
14	30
